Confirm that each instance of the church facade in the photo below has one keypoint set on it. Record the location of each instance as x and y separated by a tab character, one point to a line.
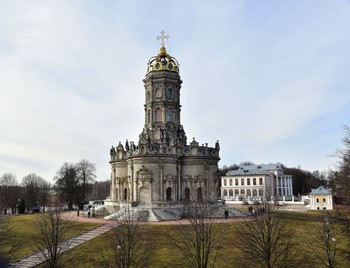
162	169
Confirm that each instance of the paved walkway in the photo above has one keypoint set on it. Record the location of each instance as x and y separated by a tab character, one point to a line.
37	258
73	216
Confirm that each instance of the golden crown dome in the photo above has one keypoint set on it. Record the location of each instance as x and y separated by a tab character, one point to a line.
163	62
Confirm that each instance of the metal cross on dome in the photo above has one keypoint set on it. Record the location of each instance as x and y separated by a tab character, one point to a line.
163	37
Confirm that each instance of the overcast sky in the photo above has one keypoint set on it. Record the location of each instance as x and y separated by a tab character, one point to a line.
268	79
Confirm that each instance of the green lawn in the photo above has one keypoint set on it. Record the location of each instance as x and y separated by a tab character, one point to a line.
25	228
166	255
159	238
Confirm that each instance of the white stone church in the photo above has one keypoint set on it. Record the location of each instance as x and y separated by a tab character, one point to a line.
162	170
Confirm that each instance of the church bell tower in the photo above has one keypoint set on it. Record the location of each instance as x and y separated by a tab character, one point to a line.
162	101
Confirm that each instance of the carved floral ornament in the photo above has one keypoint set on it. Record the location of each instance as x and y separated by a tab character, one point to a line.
168	178
144	174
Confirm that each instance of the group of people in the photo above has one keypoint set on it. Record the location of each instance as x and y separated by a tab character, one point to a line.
89	213
257	212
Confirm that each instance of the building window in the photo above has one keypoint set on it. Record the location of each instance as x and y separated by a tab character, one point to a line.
324	200
255	192
231	193
158	93
169	115
242	191
169	93
248	181
230	182
261	181
199	193
261	192
236	181
254	181
125	194
168	194
187	193
158	115
317	200
236	192
225	183
249	192
242	181
225	192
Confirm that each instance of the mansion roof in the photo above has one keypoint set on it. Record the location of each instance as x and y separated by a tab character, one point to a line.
255	169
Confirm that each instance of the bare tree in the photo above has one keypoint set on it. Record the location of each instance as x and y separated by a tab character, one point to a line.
100	190
341	178
8	189
67	183
266	240
7	243
53	233
127	241
321	244
74	180
86	174
33	185
200	241
44	196
343	219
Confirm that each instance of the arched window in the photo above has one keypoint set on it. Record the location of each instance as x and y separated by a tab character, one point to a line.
169	115
168	194
225	192
187	193
231	193
255	192
242	191
249	192
125	194
199	193
236	192
261	192
158	115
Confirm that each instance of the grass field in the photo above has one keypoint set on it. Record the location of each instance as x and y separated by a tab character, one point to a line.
24	228
159	239
164	254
